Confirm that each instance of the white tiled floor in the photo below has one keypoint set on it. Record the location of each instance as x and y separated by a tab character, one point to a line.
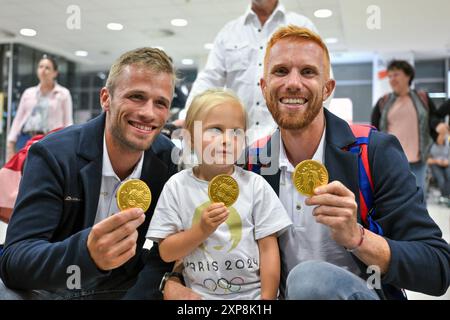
439	213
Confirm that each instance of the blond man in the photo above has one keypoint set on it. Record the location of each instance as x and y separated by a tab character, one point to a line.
67	236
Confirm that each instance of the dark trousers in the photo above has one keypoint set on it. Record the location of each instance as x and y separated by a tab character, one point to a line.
442	176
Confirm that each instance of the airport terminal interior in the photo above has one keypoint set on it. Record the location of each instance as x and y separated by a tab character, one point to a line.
86	36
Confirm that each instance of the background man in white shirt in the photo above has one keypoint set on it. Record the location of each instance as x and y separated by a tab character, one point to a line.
236	60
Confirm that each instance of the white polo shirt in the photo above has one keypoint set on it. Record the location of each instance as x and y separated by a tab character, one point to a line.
107	201
306	239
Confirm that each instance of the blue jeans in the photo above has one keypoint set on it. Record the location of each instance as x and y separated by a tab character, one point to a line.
318	280
22	140
442	176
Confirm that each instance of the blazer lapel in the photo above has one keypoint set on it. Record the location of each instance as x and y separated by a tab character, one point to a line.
90	149
154	174
342	165
91	175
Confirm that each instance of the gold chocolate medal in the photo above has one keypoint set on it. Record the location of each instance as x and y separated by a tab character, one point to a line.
308	175
223	188
134	193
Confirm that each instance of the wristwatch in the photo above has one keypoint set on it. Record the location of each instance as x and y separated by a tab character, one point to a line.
166	277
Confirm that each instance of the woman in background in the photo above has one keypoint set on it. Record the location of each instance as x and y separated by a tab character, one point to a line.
42	108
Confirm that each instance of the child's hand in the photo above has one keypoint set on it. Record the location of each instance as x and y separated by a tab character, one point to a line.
213	216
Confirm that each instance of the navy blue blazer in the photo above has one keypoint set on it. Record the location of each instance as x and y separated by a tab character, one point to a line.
420	258
56	207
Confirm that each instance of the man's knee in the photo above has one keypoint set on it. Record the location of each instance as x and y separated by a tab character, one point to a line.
9	294
308	281
318	280
13	294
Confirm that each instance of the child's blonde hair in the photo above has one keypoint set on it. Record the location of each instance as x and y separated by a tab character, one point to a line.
204	102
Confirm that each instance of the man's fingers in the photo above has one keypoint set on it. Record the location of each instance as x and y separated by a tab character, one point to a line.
332	212
123	245
118	219
331	200
124	230
330	221
123	258
336	188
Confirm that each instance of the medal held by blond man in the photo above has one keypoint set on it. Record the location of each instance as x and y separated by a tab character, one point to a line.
134	193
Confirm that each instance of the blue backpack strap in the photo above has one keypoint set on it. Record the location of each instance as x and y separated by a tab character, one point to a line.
360	147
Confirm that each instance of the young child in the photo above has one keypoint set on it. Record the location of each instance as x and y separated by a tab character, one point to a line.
228	253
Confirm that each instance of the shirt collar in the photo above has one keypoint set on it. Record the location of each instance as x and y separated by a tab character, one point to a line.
284	162
55	89
108	171
250	14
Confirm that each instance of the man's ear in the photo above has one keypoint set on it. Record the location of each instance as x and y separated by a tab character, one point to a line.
105	99
328	88
263	85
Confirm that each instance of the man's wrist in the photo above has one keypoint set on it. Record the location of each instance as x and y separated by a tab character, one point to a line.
170	276
361	239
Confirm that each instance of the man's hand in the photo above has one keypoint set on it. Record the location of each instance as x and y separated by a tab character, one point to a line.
112	242
213	217
174	290
337	209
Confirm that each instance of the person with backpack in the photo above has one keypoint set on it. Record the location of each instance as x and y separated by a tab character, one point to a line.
332	251
410	115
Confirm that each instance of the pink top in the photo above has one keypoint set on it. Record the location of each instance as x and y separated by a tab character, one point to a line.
403	123
59	109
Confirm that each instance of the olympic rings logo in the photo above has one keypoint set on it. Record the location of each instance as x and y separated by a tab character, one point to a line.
234	285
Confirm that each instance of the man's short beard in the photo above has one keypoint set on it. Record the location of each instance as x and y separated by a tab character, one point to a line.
294	121
117	134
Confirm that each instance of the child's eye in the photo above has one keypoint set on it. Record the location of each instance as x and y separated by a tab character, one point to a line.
214	131
238	132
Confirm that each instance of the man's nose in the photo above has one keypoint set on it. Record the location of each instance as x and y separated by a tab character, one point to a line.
147	111
294	81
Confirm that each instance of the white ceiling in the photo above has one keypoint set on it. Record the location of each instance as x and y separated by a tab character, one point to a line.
421	27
